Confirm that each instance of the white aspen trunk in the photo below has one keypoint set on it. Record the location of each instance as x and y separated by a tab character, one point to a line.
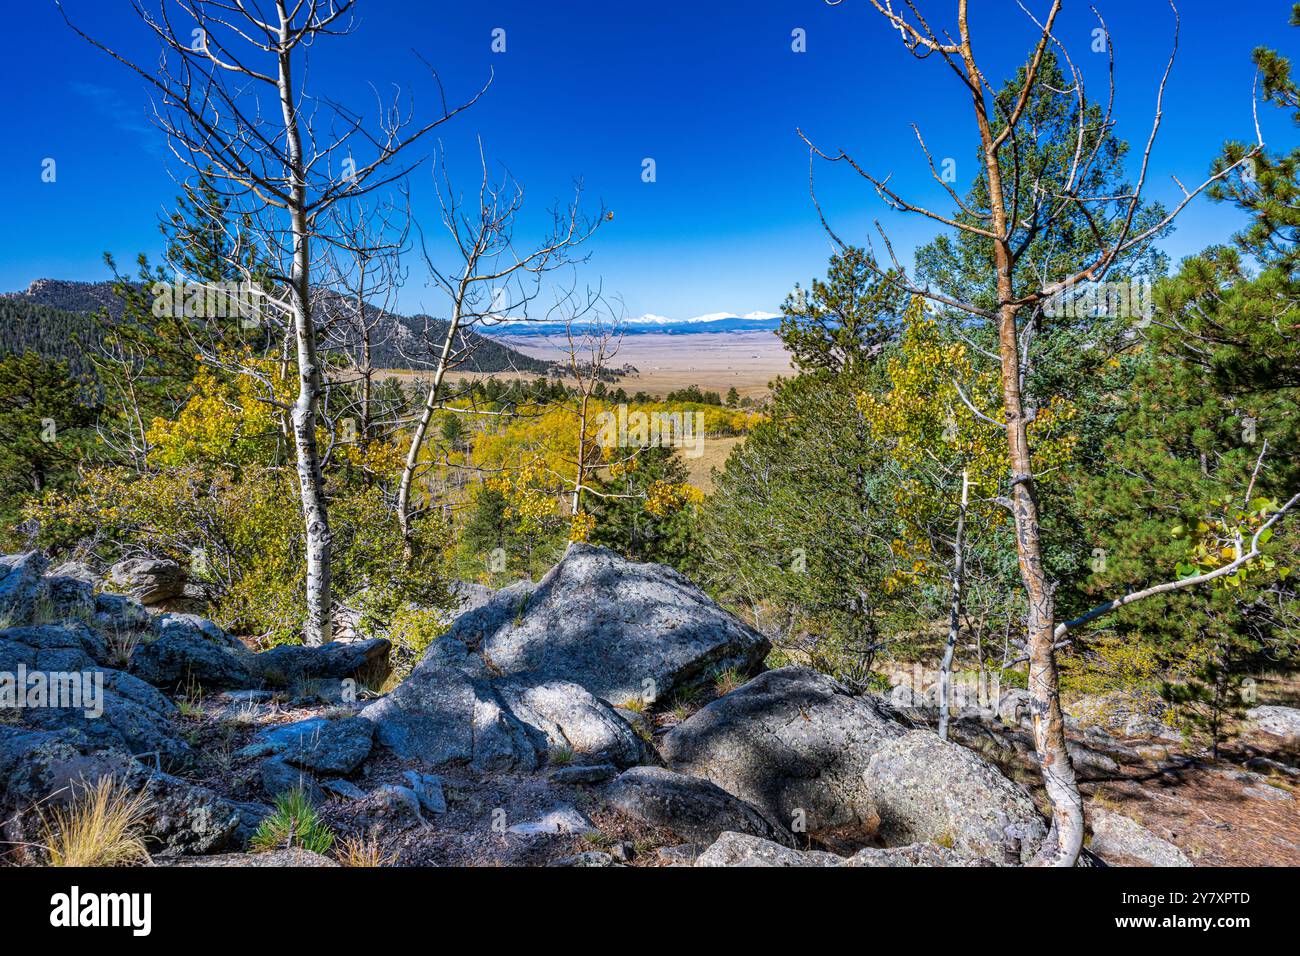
318	627
576	504
421	430
954	609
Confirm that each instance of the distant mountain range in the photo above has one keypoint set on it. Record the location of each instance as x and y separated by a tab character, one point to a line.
54	317
652	324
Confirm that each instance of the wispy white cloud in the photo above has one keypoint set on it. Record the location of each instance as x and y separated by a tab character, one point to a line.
110	104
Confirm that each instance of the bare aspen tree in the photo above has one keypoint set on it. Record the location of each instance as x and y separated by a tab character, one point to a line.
590	348
365	273
232	99
493	280
122	373
593	334
1009	224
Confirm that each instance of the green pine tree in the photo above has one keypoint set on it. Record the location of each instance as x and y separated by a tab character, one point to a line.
45	429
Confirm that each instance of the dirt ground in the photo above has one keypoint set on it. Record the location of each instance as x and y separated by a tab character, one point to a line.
1218	814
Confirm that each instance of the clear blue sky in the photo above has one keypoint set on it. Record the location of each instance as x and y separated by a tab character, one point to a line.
712	91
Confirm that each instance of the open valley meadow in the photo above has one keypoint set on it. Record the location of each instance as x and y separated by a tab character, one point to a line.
715	361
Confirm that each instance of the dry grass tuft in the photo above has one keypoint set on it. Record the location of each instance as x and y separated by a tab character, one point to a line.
358	851
725	681
99	828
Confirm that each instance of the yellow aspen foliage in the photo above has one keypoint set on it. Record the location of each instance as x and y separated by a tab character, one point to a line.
665	497
939	418
531	491
1221	538
581	526
376	457
533	457
225	420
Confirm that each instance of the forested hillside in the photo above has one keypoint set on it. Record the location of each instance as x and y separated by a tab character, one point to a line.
48	331
56	318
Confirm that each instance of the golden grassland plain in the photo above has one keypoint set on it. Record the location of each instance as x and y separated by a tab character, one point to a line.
715	361
716	451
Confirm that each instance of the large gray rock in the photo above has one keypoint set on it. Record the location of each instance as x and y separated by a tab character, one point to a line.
1119	712
51	647
20	587
456	712
573	720
171	651
615	627
1119	839
912	855
447	711
191	650
927	790
148	580
123	624
1091	762
67	599
692	808
36	764
122	724
1278	721
353	660
793	743
63	688
536	669
318	744
742	849
468	596
278	777
78	571
184	819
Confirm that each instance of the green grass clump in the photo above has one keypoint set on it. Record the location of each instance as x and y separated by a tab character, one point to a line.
294	823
